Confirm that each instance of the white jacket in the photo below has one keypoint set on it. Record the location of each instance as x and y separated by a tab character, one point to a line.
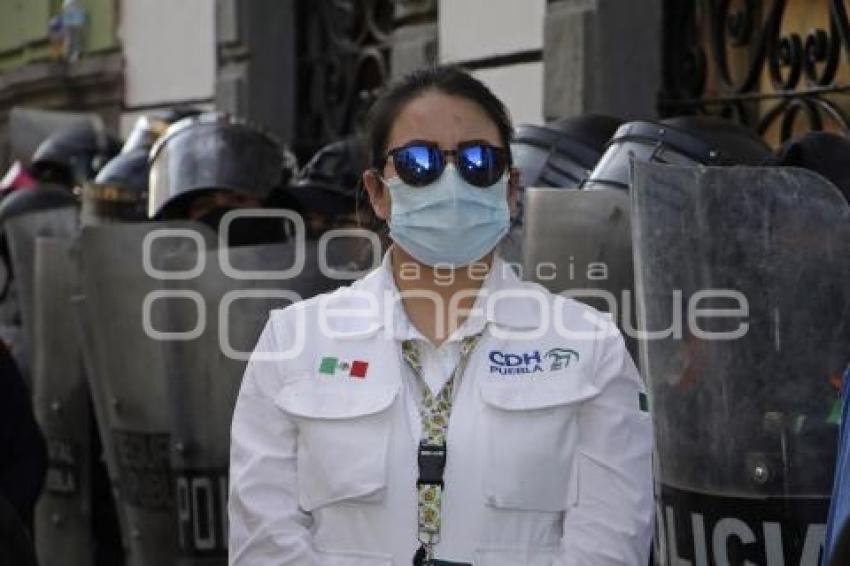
549	452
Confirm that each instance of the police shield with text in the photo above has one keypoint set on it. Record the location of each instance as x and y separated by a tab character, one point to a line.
741	279
154	294
233	293
211	337
127	373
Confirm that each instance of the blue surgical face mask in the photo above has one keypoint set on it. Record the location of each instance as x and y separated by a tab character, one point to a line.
448	222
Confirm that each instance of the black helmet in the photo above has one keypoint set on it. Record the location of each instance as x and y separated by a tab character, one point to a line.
561	153
41	197
822	152
120	190
207	152
329	182
687	140
74	155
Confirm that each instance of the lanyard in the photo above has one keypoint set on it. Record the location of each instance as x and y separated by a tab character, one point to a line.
435	412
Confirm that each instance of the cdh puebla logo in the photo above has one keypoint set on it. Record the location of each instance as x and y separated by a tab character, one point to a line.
561	357
554	359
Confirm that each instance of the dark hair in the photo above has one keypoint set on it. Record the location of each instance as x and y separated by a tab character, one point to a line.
448	79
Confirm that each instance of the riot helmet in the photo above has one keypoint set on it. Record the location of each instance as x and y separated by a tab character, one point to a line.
686	141
327	193
74	155
328	183
120	190
207	155
561	153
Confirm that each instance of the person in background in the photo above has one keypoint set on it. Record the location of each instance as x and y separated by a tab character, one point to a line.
23	460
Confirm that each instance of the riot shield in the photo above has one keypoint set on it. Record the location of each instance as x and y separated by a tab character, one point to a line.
120	280
22	232
205	371
62	409
578	243
743	304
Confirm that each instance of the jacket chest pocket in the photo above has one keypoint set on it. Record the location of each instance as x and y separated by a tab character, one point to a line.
531	432
343	440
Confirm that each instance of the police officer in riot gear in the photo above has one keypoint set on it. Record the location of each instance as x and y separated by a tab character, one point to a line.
563	152
327	194
742	403
684	140
207	165
18	203
560	154
120	190
170	440
74	155
326	189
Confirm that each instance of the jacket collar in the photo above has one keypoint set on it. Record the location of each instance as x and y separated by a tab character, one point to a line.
373	304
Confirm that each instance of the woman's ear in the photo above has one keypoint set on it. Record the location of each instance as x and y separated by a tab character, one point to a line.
513	190
379	196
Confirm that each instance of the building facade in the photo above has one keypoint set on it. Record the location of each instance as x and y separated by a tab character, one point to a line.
307	70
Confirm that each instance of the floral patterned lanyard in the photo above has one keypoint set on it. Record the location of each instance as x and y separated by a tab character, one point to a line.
435	412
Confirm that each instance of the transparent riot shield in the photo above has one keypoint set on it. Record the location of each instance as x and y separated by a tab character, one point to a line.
22	232
63	515
578	243
121	275
214	321
744	303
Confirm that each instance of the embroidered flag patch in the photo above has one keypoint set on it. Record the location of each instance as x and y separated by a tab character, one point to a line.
334	366
358	369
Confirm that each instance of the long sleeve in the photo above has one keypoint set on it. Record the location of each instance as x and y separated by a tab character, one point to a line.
611	522
267	528
24	461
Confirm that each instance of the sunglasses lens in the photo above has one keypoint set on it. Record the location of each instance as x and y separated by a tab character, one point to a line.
418	165
481	165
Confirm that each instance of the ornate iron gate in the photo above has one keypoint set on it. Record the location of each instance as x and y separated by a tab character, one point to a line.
345	49
779	66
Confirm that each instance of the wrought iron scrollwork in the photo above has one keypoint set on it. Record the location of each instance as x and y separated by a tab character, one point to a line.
779	76
344	48
344	59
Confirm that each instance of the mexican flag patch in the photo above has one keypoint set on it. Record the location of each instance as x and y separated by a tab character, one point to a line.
334	366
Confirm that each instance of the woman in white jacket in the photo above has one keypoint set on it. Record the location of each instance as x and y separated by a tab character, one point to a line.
440	410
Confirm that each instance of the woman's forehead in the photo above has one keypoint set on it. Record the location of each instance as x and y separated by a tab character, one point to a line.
442	118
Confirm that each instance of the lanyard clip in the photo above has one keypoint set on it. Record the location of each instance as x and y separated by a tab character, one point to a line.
432	463
422	557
